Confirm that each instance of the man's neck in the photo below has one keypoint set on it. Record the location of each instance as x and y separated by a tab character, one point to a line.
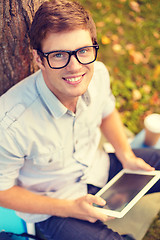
71	105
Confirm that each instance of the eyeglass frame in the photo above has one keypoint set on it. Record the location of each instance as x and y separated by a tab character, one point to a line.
74	53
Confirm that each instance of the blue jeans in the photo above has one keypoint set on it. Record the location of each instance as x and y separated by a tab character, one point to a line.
57	228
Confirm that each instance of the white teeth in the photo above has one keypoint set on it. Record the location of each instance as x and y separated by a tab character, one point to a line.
73	79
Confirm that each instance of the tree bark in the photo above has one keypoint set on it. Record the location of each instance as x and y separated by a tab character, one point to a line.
16	60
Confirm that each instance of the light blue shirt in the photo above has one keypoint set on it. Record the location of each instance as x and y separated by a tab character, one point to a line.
46	148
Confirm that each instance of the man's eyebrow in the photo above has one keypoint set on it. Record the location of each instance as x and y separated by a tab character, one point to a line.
64	50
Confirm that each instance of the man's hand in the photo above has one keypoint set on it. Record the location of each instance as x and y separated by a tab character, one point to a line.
22	200
113	130
134	163
82	208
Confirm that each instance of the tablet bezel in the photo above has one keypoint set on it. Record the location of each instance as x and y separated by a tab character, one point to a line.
120	214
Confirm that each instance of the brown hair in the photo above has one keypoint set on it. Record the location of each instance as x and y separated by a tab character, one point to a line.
58	16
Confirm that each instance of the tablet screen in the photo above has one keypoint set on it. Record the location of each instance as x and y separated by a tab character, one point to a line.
124	190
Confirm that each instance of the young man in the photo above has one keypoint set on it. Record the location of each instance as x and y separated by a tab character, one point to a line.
50	164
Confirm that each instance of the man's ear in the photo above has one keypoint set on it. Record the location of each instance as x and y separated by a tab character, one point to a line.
38	60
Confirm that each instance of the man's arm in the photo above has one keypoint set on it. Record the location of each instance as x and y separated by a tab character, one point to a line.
22	200
113	130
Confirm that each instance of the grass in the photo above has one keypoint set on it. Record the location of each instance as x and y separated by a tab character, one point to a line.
129	38
154	230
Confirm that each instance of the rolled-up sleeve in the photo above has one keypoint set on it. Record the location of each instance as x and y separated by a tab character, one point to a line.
11	160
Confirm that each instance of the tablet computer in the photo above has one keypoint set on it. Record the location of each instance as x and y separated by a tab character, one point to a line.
123	191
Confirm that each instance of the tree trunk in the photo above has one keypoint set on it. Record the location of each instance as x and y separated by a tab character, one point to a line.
16	60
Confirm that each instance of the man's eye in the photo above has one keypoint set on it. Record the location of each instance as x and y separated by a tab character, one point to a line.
83	51
58	55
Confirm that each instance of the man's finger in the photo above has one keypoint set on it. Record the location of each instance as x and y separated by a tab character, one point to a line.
95	199
145	166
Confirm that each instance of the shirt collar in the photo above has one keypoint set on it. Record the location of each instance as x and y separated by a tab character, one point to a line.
56	108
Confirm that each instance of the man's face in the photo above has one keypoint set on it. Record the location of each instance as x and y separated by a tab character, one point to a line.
71	81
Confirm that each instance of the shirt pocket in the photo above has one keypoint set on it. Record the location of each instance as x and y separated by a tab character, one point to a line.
53	160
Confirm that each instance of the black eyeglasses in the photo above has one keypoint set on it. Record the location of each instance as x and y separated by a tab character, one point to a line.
60	59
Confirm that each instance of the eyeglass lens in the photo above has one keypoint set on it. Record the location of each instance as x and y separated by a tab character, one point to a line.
58	59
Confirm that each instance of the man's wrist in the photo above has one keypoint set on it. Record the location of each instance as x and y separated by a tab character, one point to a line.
125	156
61	207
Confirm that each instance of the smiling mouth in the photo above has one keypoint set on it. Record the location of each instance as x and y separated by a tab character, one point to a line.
74	80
